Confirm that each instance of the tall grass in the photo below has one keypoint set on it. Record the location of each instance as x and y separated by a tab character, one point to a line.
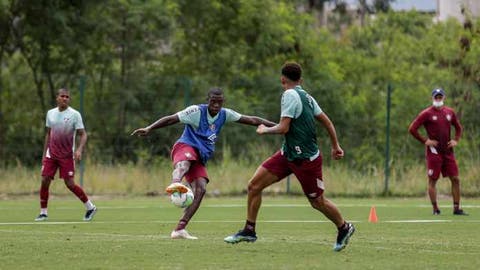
230	177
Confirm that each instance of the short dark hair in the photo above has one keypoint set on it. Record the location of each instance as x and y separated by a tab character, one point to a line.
292	70
215	91
63	89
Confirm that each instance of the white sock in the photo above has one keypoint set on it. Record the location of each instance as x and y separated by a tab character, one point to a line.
43	211
89	205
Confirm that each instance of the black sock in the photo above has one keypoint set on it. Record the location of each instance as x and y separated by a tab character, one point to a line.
456	206
249	226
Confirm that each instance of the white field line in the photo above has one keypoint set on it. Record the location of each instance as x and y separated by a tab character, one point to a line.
50	223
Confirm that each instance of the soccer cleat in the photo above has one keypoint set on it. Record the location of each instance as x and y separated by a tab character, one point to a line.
176	187
436	212
182	234
343	237
41	217
90	213
242	235
460	212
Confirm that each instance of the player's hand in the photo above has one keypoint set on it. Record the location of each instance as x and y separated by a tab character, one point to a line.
261	129
452	143
140	132
429	142
337	153
77	155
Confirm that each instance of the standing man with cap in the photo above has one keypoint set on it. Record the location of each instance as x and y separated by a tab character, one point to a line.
437	120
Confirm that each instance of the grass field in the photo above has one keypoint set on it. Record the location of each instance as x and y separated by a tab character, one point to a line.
133	233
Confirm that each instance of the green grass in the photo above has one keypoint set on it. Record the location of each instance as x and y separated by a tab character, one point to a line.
133	233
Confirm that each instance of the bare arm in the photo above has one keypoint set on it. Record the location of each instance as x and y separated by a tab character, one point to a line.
281	128
337	151
45	144
162	122
81	144
255	121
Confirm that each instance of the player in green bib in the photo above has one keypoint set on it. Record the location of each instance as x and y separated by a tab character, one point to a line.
299	155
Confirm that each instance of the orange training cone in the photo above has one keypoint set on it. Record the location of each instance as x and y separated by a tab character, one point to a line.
373	215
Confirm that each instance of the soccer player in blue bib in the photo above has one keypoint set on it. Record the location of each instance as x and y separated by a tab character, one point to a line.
299	155
196	146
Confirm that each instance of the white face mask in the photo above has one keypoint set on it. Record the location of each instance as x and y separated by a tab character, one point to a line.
437	104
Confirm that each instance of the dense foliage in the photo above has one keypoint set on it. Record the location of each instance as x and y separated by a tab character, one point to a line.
141	60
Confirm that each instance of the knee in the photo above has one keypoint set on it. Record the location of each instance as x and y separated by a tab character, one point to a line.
200	192
317	203
70	184
455	180
46	181
254	188
200	188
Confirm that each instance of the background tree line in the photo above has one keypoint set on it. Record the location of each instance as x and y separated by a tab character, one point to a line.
145	59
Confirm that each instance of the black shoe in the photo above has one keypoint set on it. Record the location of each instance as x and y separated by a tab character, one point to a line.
459	212
41	217
90	213
242	235
343	237
436	212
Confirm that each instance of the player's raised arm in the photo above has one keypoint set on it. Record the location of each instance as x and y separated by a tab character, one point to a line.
162	122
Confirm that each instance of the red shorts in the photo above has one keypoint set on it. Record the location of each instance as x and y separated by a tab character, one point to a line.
66	166
181	152
308	173
444	163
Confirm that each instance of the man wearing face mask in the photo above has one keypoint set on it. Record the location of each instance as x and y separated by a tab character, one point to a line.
437	120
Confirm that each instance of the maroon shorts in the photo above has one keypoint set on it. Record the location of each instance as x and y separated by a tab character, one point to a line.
308	173
444	163
66	166
181	152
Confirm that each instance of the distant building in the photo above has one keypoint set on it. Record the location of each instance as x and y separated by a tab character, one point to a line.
459	9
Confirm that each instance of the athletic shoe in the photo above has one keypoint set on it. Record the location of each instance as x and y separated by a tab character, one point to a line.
460	212
436	212
242	235
176	187
343	237
182	234
90	213
41	217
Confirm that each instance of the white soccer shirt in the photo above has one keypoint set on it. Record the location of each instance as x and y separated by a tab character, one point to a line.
63	126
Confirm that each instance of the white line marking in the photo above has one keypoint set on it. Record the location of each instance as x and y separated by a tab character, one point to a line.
420	221
45	223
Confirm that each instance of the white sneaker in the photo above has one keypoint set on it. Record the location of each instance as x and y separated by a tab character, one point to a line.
182	234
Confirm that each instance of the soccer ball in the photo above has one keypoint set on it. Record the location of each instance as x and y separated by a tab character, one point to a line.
182	200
